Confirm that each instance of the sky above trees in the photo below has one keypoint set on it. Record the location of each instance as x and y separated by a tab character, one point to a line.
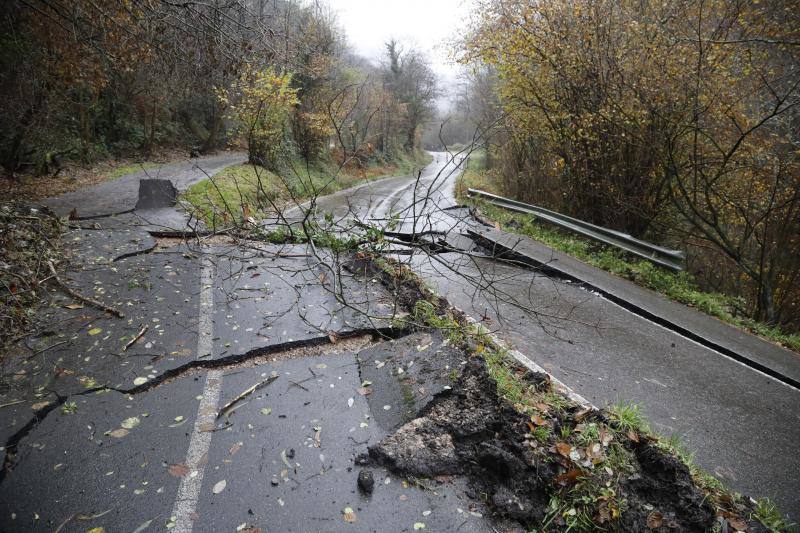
429	25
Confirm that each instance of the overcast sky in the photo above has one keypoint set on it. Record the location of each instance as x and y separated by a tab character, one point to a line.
427	24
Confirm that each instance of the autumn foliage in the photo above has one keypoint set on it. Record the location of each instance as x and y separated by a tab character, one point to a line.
676	121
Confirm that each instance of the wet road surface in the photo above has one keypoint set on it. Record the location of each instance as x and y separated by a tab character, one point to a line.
742	425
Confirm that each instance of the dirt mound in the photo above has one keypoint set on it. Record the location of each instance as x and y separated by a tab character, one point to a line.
471	431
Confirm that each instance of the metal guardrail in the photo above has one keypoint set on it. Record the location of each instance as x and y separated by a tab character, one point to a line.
671	259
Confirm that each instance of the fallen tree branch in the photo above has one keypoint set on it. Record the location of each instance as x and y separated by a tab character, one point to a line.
78	296
37	352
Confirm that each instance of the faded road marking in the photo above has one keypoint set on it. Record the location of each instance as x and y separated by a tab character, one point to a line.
184	510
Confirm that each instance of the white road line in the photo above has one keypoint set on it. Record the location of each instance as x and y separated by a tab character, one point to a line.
184	510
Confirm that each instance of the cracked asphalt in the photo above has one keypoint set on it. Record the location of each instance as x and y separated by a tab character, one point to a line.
740	424
146	422
165	435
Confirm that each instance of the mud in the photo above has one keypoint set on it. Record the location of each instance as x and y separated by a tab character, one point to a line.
404	286
470	431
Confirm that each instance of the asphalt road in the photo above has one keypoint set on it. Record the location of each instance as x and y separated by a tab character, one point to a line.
158	435
120	195
230	397
740	424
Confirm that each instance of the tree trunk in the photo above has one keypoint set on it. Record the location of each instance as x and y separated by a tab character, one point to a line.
210	143
766	303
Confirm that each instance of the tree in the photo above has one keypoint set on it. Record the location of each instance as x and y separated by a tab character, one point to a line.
651	116
265	100
410	79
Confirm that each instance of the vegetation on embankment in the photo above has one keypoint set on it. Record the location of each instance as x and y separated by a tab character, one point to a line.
249	190
565	466
675	122
29	246
678	286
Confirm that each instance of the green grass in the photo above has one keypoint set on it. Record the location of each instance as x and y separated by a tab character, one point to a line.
678	286
628	417
768	514
230	193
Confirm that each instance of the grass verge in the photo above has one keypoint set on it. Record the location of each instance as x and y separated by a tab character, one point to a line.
248	190
678	286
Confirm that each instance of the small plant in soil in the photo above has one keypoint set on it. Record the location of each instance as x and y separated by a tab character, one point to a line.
768	514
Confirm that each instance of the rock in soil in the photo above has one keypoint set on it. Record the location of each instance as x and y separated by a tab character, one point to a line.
366	482
471	431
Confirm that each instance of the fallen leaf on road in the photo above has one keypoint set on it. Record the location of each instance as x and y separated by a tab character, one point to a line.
87	517
266	410
219	487
285	460
119	433
594	451
39	405
418	526
569	477
74	306
178	470
139	381
605	437
143	526
130	423
538	420
654	520
95	331
349	515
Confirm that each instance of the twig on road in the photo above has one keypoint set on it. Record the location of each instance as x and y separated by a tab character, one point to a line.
37	352
136	338
229	406
78	296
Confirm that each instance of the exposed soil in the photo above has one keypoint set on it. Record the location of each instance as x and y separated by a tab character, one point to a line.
401	283
471	431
